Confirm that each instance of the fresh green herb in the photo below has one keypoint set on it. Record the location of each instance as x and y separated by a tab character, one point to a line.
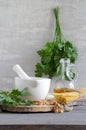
54	51
15	98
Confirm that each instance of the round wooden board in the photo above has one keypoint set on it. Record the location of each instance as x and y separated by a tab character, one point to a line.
34	108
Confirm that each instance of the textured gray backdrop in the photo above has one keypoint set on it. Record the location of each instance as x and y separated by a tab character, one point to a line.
26	25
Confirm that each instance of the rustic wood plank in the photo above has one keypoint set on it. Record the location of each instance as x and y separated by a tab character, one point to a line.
42	127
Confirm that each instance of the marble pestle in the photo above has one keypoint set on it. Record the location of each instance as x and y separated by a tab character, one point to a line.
20	72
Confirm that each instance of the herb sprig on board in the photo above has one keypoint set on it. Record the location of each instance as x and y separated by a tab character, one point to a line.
15	98
54	51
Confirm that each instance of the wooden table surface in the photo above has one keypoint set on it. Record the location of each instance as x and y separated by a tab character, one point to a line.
74	120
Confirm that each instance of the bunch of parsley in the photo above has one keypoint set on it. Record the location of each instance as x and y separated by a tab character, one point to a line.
54	51
15	98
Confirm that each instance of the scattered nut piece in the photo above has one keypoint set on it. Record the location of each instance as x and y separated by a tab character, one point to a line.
46	102
51	102
41	102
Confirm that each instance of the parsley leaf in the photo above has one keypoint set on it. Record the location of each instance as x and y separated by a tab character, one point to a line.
14	98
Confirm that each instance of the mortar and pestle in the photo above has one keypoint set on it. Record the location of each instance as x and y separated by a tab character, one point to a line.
38	87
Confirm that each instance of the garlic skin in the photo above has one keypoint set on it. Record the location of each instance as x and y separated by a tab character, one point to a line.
50	96
68	108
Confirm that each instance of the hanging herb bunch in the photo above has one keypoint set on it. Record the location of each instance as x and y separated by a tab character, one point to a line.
54	51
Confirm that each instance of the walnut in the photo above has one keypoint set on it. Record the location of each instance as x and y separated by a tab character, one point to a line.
55	109
58	108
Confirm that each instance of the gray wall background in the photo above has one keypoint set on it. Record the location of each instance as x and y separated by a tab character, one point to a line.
26	25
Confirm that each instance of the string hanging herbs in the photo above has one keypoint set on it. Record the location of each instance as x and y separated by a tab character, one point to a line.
54	51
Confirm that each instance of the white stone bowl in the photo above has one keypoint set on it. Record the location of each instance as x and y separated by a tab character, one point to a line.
37	87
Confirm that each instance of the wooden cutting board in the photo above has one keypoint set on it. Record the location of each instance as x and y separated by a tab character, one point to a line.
36	108
33	108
